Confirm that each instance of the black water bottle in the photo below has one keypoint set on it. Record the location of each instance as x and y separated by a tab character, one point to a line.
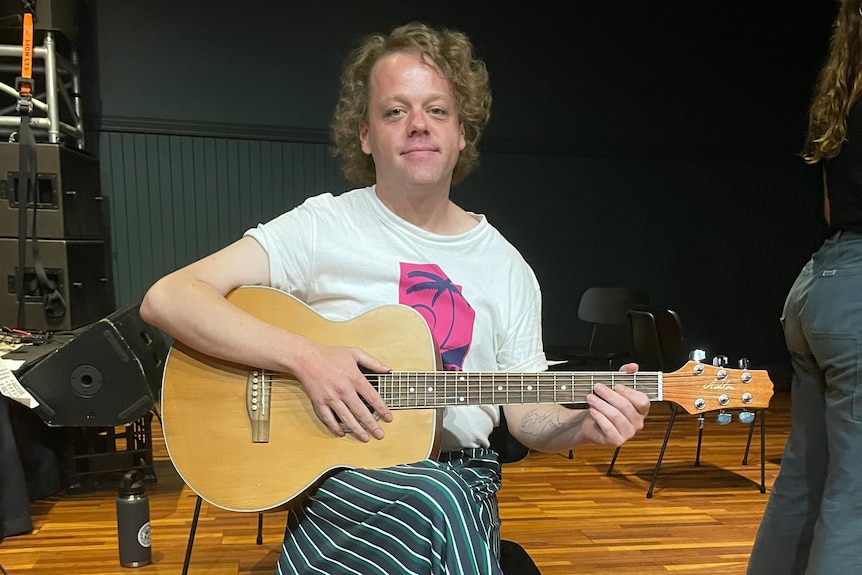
133	522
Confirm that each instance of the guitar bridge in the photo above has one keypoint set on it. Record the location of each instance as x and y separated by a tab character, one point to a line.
257	398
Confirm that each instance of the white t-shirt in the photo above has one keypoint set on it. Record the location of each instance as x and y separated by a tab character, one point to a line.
344	255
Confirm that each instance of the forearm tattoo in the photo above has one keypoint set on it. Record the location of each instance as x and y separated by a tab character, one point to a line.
544	422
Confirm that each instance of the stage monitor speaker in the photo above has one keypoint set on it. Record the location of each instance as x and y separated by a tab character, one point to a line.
108	374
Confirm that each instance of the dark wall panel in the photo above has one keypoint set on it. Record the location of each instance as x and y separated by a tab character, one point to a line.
175	199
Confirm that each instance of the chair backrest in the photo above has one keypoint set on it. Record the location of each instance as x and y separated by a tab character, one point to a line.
656	339
608	305
671	336
644	344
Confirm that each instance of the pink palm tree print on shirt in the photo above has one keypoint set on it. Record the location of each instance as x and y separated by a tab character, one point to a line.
428	290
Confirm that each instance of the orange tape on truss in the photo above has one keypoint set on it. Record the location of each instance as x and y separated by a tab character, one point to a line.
27	52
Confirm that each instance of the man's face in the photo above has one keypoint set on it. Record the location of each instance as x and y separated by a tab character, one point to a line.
412	131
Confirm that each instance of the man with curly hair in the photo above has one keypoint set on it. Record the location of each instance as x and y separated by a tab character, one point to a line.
412	108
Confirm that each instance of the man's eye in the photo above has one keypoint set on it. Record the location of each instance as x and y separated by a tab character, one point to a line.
395	112
438	111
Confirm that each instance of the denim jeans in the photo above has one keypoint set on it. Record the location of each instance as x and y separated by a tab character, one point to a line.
813	519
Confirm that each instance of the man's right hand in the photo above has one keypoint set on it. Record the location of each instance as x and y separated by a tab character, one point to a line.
342	396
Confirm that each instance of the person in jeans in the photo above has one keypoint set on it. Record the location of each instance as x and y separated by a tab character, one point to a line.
813	519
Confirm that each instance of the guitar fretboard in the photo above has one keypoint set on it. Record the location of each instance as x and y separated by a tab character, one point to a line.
411	390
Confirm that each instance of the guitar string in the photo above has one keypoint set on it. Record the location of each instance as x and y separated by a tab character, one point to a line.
402	389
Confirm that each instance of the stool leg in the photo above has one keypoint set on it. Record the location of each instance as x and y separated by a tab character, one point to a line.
661	453
192	535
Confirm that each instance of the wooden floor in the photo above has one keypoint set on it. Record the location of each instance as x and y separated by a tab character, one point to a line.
568	514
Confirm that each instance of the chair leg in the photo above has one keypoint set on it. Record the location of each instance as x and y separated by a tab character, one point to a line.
748	443
613	460
700	420
762	448
762	451
260	528
192	531
661	453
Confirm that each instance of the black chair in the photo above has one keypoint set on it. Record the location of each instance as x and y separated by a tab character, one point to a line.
604	309
657	343
514	559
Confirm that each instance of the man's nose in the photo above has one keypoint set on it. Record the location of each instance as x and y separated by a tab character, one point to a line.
418	123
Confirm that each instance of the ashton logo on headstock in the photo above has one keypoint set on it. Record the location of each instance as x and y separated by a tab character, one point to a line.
723	385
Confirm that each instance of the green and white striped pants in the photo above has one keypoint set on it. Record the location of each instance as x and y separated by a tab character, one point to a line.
427	518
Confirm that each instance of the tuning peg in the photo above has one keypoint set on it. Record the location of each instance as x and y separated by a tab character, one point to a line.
744	363
746	417
697	355
723	418
720	361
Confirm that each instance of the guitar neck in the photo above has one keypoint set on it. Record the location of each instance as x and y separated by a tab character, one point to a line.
415	390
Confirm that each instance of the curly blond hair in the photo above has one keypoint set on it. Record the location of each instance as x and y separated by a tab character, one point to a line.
838	86
451	52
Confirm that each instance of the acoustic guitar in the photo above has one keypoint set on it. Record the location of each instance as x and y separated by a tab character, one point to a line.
247	439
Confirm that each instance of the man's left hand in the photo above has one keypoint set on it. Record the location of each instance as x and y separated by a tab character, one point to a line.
615	415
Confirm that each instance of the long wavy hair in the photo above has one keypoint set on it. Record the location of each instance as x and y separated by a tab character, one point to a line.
838	86
451	52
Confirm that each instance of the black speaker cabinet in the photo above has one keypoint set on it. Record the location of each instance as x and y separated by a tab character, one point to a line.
54	15
79	270
105	376
68	194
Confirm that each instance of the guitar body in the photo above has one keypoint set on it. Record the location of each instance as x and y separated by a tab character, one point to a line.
206	424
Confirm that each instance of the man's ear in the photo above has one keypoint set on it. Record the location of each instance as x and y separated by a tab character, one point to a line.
363	138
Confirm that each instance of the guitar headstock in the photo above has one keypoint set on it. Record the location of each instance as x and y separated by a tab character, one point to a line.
698	388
